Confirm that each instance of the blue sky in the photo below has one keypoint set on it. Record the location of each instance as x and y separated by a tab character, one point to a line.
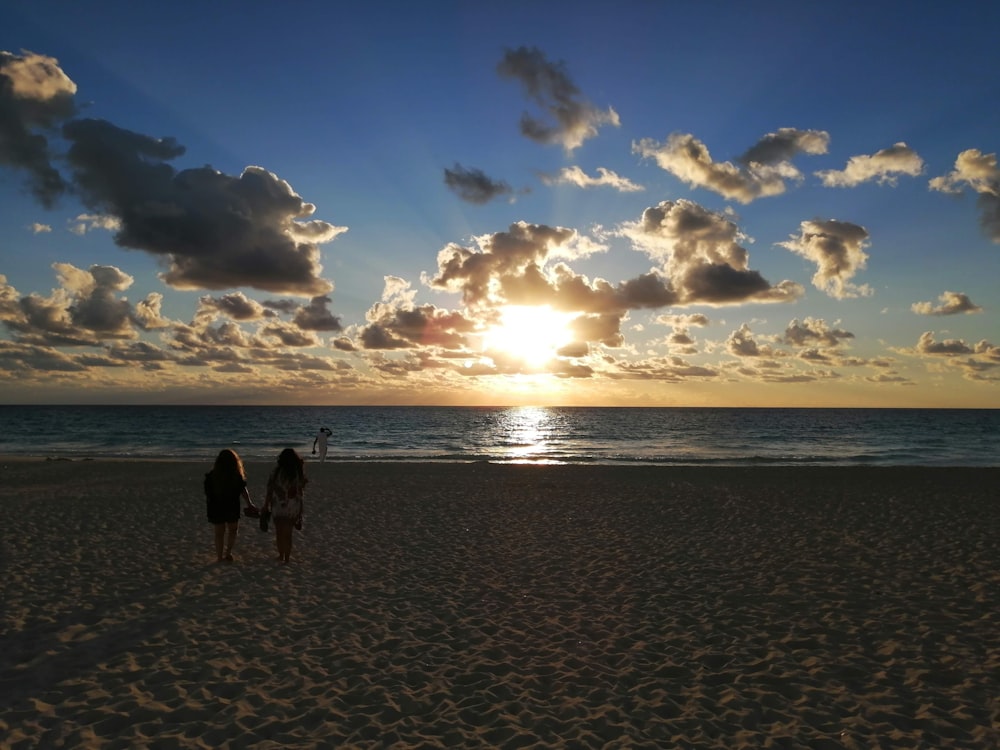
631	203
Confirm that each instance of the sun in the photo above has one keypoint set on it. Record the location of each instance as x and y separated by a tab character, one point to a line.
532	335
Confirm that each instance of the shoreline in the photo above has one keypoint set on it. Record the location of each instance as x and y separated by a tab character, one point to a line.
486	605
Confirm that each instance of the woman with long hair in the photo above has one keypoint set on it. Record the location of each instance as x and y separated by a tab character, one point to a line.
225	486
285	493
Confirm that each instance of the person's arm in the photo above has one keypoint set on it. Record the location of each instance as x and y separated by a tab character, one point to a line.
246	496
268	494
314	443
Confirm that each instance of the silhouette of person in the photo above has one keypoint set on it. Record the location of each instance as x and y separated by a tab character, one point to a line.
225	485
321	439
285	495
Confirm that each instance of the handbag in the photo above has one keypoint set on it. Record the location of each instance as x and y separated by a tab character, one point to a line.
265	519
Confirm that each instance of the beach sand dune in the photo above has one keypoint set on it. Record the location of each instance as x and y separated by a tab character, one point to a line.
473	605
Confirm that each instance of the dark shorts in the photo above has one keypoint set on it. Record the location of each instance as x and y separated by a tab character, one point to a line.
224	512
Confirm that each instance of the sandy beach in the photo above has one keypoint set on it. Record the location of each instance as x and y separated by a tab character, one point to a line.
474	605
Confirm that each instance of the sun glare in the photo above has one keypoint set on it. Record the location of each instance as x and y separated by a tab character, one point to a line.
530	334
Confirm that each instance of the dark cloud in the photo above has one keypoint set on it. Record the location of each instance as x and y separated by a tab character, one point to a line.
316	316
571	118
741	343
213	230
236	306
701	256
474	186
424	326
784	145
837	248
35	95
951	303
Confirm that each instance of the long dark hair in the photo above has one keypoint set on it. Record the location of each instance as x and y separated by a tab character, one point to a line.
229	464
290	466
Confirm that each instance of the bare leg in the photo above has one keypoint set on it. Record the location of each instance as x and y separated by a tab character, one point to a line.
220	532
283	533
231	529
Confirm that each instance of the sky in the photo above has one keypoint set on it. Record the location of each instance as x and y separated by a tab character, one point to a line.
474	203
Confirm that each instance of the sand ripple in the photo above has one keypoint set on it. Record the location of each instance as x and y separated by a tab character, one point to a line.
515	607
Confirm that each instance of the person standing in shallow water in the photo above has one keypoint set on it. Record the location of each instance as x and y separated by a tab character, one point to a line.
321	439
225	487
285	494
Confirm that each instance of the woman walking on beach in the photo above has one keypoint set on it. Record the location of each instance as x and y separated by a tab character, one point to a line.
225	485
285	491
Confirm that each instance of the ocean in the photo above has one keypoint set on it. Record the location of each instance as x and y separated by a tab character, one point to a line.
557	435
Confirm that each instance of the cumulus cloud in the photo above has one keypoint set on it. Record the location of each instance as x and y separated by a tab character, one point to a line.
37	228
741	343
214	231
951	303
35	95
978	171
978	361
235	306
883	166
812	332
762	171
606	178
837	249
422	326
85	310
571	119
701	256
474	186
316	316
949	347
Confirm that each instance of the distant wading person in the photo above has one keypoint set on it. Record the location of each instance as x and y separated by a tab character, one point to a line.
225	486
285	492
321	439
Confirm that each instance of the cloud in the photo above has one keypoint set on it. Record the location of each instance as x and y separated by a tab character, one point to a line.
37	228
35	95
979	171
741	343
474	186
811	332
423	326
571	118
88	222
701	256
235	306
316	316
837	248
974	361
949	347
762	171
576	176
782	146
85	310
952	303
477	273
882	166
215	231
